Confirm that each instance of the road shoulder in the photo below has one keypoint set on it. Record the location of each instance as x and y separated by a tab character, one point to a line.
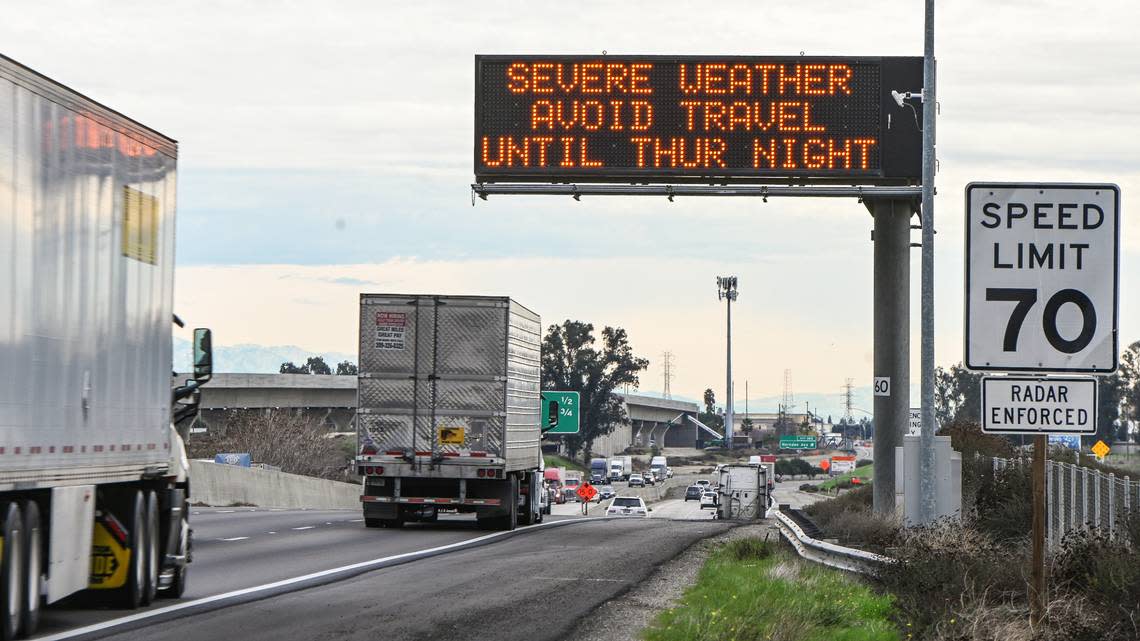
625	617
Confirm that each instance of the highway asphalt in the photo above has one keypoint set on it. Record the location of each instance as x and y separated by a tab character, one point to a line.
243	548
532	586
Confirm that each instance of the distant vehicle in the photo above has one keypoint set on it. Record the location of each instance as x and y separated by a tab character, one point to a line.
693	493
668	472
599	470
628	506
620	468
658	464
708	499
606	492
650	478
704	483
636	480
544	499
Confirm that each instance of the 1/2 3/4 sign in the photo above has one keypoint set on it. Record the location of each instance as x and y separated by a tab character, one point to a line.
1042	277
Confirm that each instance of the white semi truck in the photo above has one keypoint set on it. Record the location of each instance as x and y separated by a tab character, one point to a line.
93	476
620	468
448	409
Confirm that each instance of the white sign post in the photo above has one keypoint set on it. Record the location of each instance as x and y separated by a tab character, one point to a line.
1042	277
1038	405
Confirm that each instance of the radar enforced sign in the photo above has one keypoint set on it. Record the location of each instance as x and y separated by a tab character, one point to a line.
1042	277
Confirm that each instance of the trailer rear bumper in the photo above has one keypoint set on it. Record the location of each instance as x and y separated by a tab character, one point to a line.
428	501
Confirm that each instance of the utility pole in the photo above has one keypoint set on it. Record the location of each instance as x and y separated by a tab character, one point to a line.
726	291
926	472
667	359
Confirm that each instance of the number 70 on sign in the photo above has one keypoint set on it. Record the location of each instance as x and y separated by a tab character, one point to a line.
559	412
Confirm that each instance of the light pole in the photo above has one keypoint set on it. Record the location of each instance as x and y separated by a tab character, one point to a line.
726	291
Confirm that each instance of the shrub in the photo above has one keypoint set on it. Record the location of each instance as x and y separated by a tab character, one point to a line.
1002	502
1105	572
748	549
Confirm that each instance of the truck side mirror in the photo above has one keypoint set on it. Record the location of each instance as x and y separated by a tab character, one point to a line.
203	354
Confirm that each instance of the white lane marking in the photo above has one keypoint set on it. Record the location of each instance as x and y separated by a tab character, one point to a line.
225	511
307	527
150	614
356	521
573	578
235	538
271	533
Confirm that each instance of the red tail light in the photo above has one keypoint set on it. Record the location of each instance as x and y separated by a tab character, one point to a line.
379	469
481	473
368	450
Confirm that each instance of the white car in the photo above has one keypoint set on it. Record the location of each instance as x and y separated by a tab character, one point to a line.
628	506
708	499
704	483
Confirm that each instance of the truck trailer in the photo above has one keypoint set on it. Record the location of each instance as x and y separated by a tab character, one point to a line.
94	480
620	468
448	409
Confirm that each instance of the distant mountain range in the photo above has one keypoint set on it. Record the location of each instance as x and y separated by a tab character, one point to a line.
254	359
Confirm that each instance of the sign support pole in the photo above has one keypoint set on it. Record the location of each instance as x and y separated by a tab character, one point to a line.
927	478
891	340
1037	592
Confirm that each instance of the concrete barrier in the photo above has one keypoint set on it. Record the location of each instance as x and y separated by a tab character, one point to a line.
224	485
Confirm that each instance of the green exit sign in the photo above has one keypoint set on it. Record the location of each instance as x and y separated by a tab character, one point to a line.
797	442
560	412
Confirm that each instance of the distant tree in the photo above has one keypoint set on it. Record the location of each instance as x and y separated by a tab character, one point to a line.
289	368
346	368
746	426
1130	390
1109	394
317	365
571	362
710	401
957	394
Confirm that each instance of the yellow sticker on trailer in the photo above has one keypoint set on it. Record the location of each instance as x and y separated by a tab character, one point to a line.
451	436
140	226
109	560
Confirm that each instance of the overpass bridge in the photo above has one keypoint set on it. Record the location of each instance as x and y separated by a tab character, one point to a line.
331	400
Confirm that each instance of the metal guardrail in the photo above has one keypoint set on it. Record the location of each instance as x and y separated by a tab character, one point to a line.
828	554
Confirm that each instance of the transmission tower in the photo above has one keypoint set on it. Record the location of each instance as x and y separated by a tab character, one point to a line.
667	358
848	399
789	398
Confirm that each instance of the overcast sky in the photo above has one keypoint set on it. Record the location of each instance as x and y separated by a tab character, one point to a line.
326	150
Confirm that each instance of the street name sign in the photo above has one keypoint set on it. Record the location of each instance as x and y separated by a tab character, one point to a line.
797	442
560	412
660	118
1038	405
1042	277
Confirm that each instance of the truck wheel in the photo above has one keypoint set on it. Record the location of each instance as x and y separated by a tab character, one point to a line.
33	565
511	520
526	515
152	549
131	594
11	573
177	585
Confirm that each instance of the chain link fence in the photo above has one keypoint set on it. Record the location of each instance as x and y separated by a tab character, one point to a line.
1081	497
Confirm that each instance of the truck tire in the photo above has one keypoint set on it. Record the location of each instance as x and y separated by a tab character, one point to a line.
526	515
130	596
12	581
151	548
511	521
33	566
177	585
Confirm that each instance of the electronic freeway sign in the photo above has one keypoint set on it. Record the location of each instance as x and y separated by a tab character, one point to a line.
694	118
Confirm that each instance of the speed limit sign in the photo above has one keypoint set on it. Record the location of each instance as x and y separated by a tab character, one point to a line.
1042	277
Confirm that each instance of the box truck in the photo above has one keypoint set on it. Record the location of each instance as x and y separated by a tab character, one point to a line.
620	468
93	476
448	409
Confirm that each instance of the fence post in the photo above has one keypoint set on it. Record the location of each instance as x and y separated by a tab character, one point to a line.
1111	504
1127	496
1096	499
1084	497
1072	497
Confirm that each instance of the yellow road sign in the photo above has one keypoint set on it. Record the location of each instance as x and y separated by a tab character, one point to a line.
1100	449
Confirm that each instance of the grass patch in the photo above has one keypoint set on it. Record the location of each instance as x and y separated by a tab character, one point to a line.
864	473
750	589
553	460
